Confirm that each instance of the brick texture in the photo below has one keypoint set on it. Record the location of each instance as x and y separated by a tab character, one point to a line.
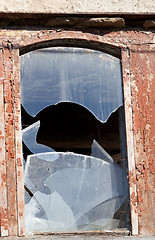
138	60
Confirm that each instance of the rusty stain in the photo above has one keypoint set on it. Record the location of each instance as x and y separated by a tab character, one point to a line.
3	177
9	108
21	214
19	161
132	178
133	199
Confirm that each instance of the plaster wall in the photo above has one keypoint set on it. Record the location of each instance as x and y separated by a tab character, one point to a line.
74	6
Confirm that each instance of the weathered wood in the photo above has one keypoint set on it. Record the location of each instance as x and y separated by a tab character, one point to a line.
129	136
18	143
3	190
142	62
10	142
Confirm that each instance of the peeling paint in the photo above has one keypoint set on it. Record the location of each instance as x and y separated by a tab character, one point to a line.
138	61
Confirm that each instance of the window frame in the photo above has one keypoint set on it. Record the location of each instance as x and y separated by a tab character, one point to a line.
71	38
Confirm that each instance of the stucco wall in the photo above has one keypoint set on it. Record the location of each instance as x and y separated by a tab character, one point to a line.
74	6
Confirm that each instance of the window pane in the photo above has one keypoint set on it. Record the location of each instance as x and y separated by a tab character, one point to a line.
71	101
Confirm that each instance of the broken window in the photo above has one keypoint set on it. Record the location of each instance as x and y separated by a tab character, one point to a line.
71	108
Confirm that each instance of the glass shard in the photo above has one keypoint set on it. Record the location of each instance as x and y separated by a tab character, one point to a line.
29	138
86	77
99	152
74	192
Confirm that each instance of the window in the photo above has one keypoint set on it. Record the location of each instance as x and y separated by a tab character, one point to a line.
72	103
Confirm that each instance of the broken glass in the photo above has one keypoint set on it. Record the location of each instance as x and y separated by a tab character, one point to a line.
74	192
86	77
66	191
29	138
99	152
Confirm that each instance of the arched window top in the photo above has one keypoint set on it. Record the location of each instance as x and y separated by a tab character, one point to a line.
62	74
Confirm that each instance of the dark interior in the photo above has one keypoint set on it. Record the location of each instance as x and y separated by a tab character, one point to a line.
71	127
